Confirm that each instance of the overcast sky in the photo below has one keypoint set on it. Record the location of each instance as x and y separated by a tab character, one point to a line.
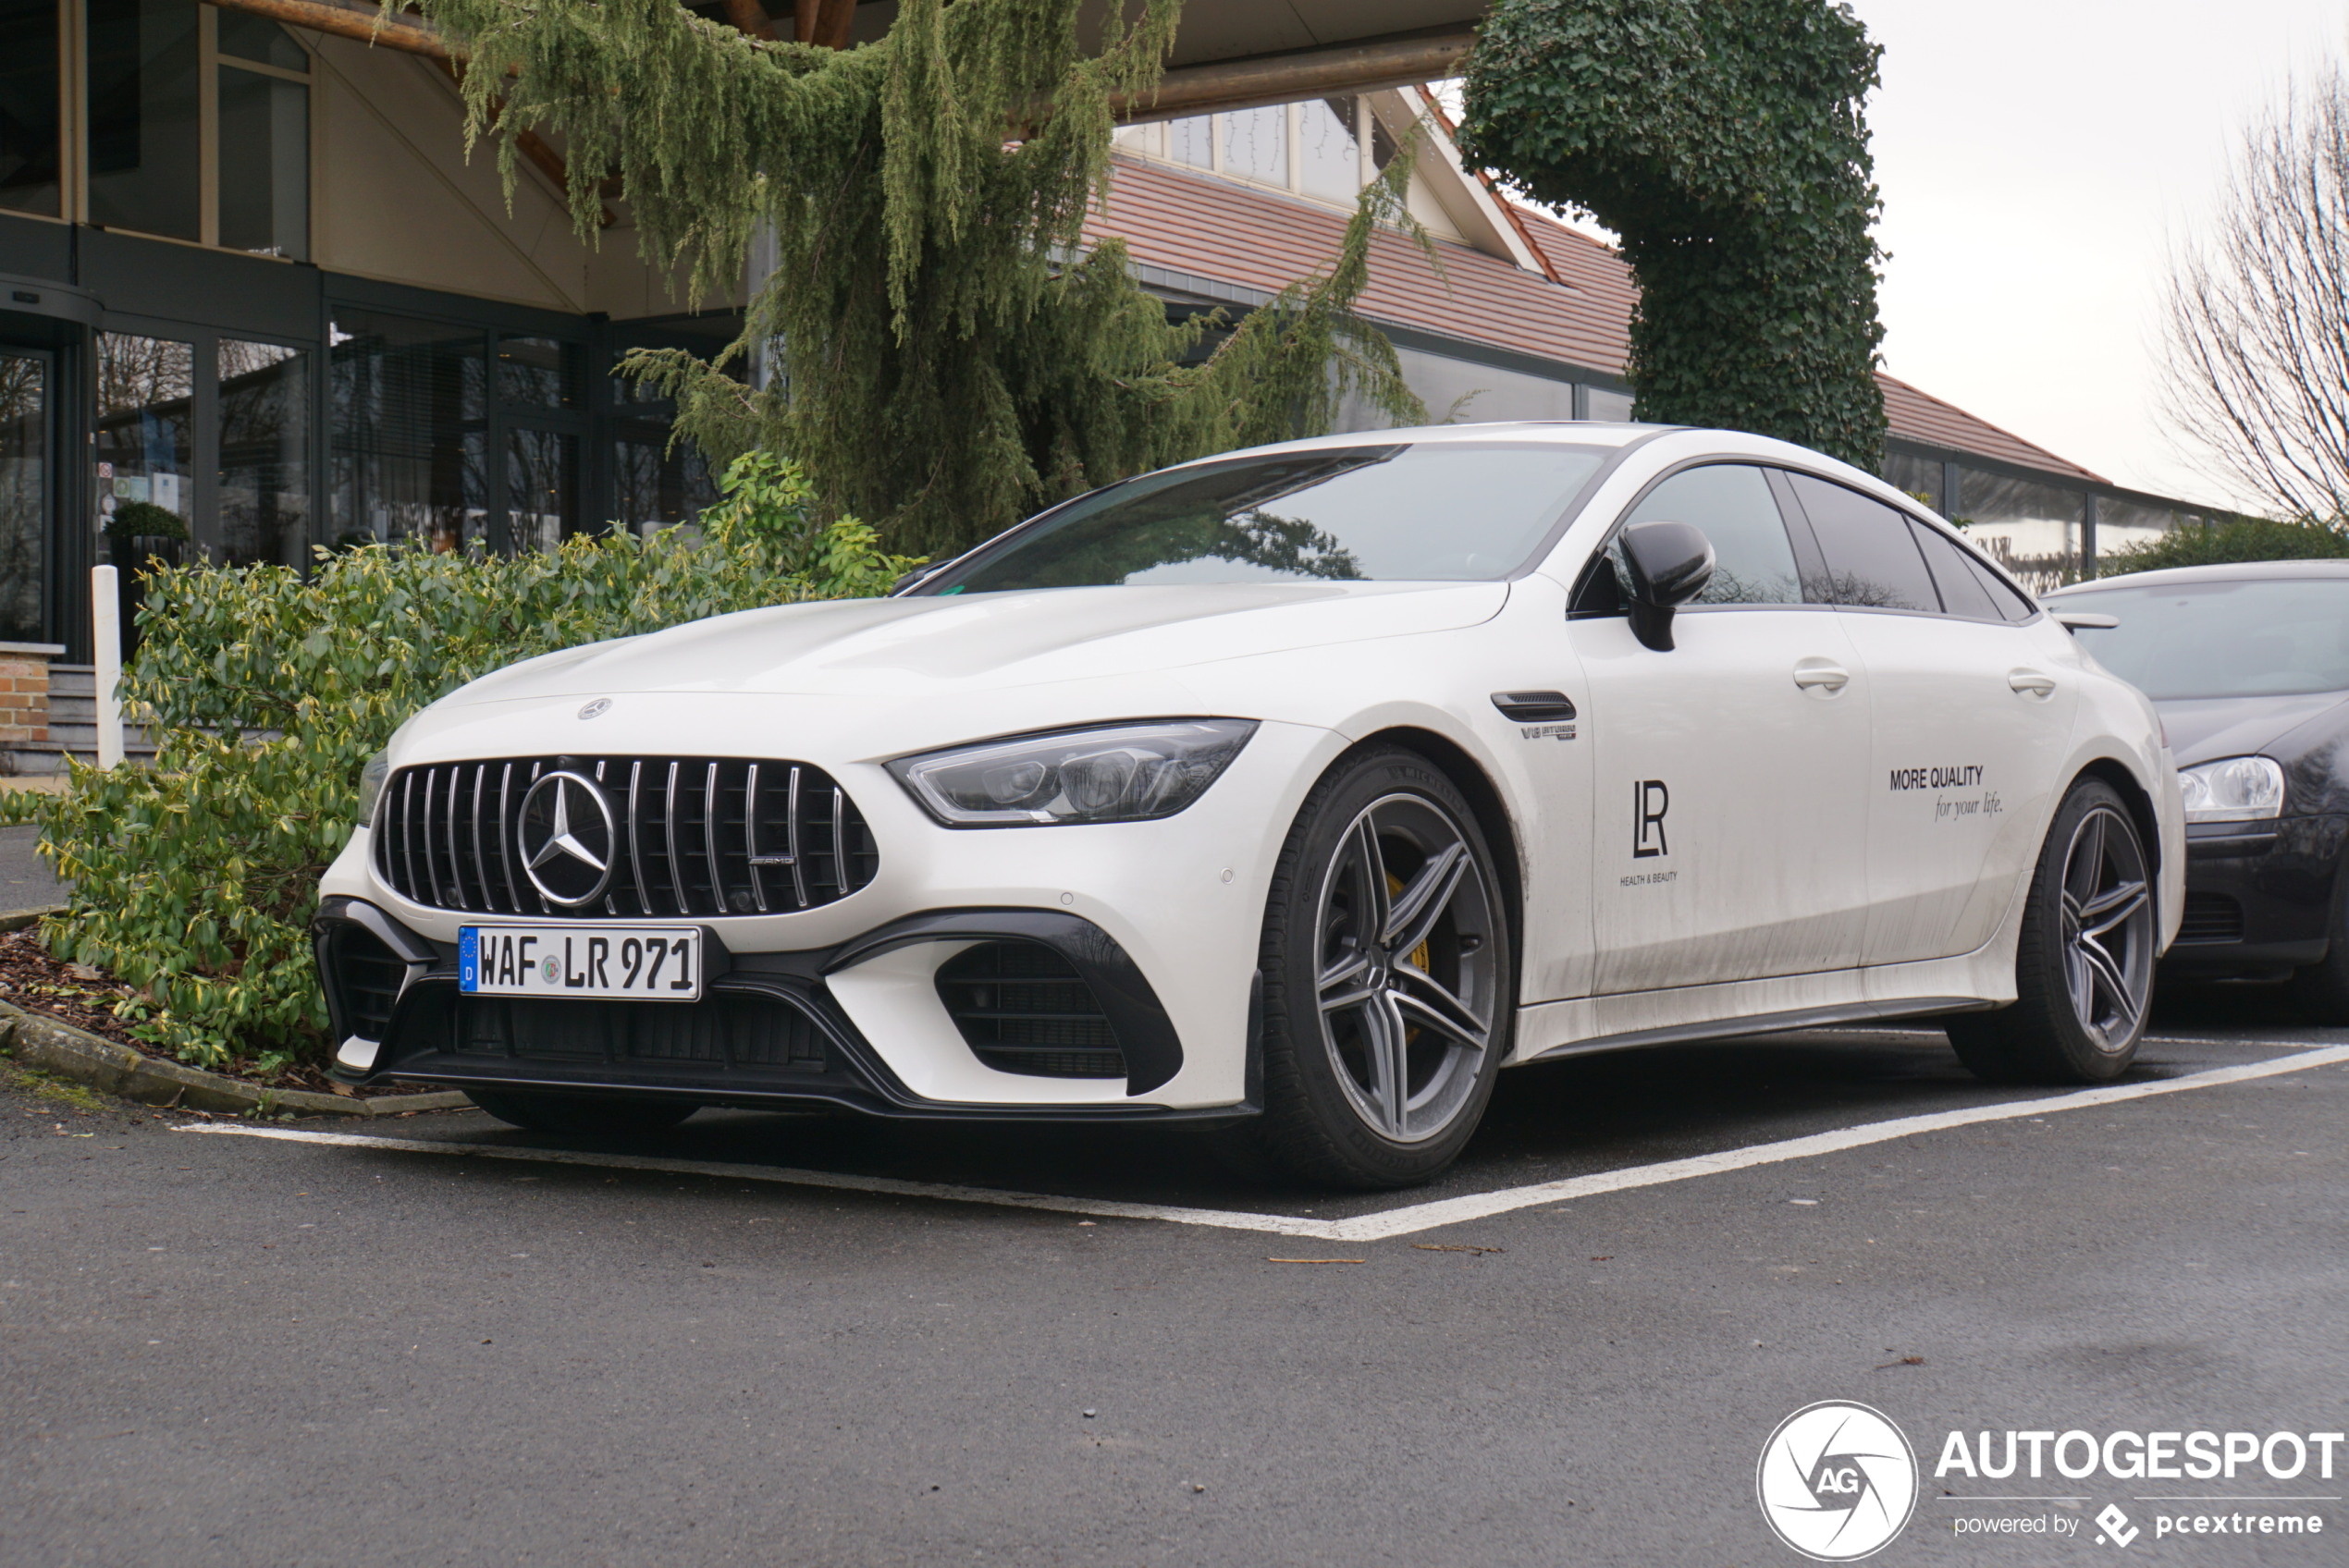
2038	159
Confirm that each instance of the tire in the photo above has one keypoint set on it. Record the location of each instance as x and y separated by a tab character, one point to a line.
595	1115
1386	958
2322	990
2084	966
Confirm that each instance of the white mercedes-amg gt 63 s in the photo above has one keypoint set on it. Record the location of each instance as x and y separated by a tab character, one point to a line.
1289	794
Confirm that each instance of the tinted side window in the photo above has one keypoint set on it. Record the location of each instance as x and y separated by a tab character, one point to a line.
1753	563
1961	590
2012	603
1871	558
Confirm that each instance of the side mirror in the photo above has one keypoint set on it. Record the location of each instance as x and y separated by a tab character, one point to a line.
1670	563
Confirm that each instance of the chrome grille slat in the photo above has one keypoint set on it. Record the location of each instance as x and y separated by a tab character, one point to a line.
750	839
709	824
840	839
635	855
481	862
798	860
432	780
676	866
456	863
445	837
506	838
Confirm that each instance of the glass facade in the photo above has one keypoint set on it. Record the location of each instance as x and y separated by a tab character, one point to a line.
265	164
1313	148
265	453
146	134
31	139
410	431
24	494
150	125
146	437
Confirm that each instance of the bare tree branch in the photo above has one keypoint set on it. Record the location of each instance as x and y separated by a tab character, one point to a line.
2257	317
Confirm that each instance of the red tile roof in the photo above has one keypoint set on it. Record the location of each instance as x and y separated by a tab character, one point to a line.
1261	240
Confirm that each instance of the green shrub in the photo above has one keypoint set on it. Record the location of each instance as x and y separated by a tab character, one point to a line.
2245	539
267	692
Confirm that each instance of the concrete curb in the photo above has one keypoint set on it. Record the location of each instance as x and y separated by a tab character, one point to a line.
118	1070
18	919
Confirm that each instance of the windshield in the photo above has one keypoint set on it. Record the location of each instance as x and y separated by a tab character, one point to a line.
1439	512
2231	639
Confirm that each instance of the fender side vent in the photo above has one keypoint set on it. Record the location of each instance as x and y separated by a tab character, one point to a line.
1024	1009
1534	707
2210	917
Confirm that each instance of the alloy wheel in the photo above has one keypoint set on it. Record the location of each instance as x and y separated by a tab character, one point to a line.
1406	966
2107	929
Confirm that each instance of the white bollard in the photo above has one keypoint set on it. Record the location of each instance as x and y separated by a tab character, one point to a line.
106	628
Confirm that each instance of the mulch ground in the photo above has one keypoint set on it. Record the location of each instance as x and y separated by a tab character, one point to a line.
34	979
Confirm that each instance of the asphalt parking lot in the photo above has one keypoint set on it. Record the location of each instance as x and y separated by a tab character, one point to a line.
725	1345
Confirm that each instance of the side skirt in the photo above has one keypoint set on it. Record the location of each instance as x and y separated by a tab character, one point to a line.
1967	983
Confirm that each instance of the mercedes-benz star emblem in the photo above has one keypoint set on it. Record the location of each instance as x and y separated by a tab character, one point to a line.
567	837
596	709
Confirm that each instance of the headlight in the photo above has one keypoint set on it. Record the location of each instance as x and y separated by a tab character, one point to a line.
371	785
2234	791
1117	773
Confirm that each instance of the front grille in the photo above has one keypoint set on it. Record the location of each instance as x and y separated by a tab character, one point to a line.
693	836
1021	1009
724	1031
366	976
2210	917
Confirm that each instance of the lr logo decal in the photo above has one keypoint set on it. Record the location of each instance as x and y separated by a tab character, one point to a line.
1837	1481
1650	801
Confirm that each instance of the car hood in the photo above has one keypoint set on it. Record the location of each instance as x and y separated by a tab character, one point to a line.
930	646
2205	728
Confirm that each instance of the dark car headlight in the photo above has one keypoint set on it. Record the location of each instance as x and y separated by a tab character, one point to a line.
2232	789
1116	773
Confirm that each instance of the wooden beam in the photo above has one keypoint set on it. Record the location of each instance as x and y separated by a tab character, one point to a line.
750	16
1305	73
834	23
343	19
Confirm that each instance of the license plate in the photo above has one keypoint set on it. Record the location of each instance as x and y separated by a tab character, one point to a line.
639	963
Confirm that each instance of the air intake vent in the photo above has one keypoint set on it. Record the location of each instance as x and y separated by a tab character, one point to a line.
595	837
366	976
2211	917
1024	1009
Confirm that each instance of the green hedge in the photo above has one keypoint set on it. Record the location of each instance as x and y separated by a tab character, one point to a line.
266	691
2246	539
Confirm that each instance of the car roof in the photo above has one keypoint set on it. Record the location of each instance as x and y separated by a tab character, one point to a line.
2231	571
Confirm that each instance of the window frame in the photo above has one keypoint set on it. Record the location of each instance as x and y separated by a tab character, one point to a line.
1792	504
74	109
1586	601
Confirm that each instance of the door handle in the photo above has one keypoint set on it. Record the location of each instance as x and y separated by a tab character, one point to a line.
2032	683
1820	673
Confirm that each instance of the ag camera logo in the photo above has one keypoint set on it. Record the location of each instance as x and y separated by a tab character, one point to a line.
1837	1481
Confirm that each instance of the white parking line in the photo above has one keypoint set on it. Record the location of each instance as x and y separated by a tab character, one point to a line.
1408	1220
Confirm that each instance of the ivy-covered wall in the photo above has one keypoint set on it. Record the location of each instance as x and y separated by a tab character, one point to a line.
1725	141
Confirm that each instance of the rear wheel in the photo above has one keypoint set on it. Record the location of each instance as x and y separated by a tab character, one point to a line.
1387	983
595	1114
2084	968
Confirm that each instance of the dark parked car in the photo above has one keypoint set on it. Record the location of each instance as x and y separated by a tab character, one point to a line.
2250	667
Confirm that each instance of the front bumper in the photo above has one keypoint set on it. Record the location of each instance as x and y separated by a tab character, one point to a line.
2259	896
771	1031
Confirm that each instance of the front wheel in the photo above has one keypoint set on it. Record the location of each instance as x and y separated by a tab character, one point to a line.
2083	967
1388	991
596	1115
